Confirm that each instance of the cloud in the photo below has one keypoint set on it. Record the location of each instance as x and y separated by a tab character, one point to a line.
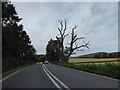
96	21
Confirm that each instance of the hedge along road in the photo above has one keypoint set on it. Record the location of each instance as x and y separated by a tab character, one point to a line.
54	76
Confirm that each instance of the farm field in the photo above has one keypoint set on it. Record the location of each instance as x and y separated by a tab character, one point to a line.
81	60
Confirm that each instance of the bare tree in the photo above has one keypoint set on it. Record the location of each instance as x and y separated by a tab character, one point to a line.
62	33
73	43
58	49
66	52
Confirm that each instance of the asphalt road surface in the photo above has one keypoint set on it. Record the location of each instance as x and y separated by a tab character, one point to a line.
54	76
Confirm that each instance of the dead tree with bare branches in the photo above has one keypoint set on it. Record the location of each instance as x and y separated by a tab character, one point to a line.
64	53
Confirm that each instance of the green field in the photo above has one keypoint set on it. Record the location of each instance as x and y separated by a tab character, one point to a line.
82	60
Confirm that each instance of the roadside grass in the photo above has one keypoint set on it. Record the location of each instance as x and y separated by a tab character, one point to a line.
76	60
39	63
109	69
7	73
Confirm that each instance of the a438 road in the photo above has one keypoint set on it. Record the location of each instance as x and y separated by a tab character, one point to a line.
54	76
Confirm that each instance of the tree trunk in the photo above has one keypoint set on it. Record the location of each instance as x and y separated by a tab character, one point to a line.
65	58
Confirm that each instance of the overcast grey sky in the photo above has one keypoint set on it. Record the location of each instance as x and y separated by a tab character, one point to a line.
97	21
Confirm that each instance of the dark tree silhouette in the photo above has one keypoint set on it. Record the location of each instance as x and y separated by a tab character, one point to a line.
53	49
63	53
16	44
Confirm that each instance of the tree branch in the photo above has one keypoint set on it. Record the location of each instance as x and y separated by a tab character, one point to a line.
74	27
65	24
60	31
85	45
78	39
65	35
61	23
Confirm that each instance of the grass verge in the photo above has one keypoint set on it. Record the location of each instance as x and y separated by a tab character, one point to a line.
107	69
7	73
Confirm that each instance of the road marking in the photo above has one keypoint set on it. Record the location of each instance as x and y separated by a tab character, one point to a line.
57	79
11	75
52	79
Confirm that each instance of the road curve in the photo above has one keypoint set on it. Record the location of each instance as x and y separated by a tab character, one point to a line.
45	76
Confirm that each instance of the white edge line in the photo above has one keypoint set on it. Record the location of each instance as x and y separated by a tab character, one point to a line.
52	79
11	75
58	80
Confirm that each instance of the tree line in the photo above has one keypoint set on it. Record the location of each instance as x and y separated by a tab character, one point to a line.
101	55
16	45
